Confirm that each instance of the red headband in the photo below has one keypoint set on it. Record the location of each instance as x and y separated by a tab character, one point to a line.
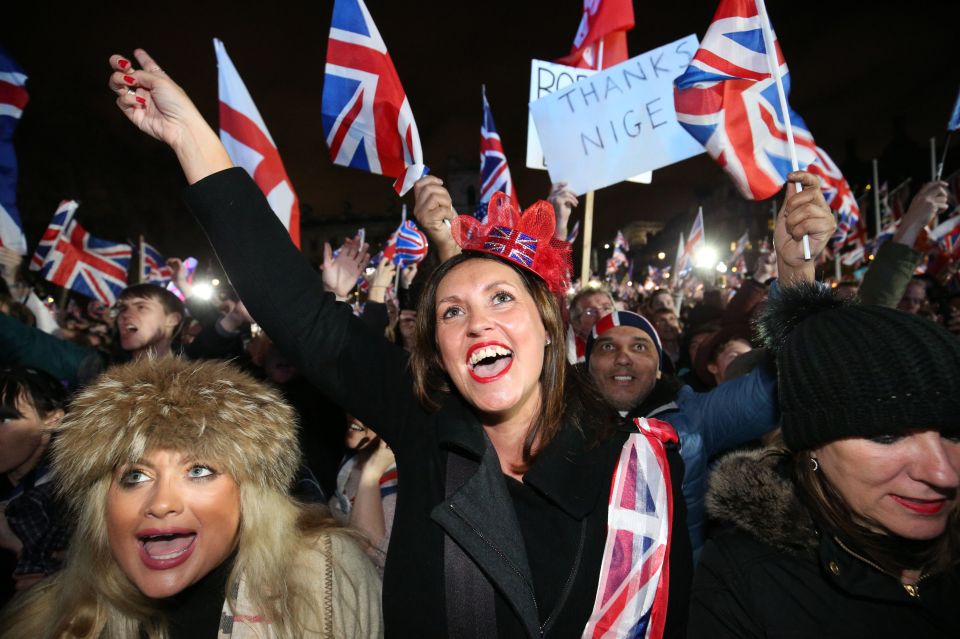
525	239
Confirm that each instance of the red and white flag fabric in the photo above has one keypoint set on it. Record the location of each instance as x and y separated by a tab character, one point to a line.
606	22
248	142
70	257
367	119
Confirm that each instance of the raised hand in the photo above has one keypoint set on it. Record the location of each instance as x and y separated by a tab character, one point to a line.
180	276
932	199
802	213
407	273
563	201
382	280
433	209
340	274
162	110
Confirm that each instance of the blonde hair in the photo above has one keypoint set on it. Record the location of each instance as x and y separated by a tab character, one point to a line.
133	410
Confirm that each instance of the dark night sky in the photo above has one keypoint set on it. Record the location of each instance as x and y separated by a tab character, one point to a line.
855	67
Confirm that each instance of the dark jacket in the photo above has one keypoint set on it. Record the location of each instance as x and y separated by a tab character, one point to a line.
539	542
777	574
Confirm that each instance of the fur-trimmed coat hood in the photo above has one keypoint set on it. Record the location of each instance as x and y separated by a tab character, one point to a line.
752	491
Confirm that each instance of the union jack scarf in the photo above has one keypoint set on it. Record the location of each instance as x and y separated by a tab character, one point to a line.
631	598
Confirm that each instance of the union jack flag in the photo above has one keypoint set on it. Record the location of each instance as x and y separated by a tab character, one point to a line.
408	245
13	98
619	257
155	269
727	99
838	195
687	250
70	257
514	245
494	172
367	118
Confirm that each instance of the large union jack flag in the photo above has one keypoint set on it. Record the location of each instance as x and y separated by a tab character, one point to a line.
70	257
367	118
512	244
13	98
155	269
494	172
727	99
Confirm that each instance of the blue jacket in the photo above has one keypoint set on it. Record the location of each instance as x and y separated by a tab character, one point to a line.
728	416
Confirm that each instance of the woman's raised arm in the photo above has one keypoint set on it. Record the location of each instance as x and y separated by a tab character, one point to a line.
162	110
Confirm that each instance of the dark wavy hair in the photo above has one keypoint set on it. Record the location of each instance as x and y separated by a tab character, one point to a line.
891	553
565	396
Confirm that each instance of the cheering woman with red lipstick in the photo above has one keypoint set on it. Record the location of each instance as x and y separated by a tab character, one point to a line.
523	511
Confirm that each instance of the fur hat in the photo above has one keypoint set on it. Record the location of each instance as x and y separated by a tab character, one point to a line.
855	370
210	409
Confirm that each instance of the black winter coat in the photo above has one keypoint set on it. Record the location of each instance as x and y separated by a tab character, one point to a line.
775	575
538	542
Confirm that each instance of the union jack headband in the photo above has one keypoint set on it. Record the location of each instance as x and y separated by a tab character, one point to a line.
624	318
525	239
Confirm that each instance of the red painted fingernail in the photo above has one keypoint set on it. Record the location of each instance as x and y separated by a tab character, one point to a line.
128	79
123	64
141	100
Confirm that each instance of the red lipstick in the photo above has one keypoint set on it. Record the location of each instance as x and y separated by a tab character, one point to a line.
492	378
922	506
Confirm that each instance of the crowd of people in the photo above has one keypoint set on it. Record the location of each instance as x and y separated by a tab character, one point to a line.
491	452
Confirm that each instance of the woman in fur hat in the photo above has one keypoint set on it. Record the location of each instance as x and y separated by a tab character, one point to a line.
854	529
177	474
517	491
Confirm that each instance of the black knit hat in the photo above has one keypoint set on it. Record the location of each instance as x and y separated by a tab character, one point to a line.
853	370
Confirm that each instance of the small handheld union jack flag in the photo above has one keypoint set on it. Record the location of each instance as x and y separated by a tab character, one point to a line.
494	172
408	245
155	269
70	257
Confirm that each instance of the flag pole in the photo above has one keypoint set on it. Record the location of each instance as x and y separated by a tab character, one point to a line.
396	277
876	195
588	209
933	158
943	158
837	267
774	64
142	264
587	240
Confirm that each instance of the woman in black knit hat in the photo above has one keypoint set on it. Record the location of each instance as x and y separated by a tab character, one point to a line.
853	530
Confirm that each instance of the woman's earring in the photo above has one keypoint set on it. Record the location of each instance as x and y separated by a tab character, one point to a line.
548	341
814	464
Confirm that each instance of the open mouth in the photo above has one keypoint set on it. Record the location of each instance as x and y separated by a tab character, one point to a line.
623	379
489	361
163	549
129	328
